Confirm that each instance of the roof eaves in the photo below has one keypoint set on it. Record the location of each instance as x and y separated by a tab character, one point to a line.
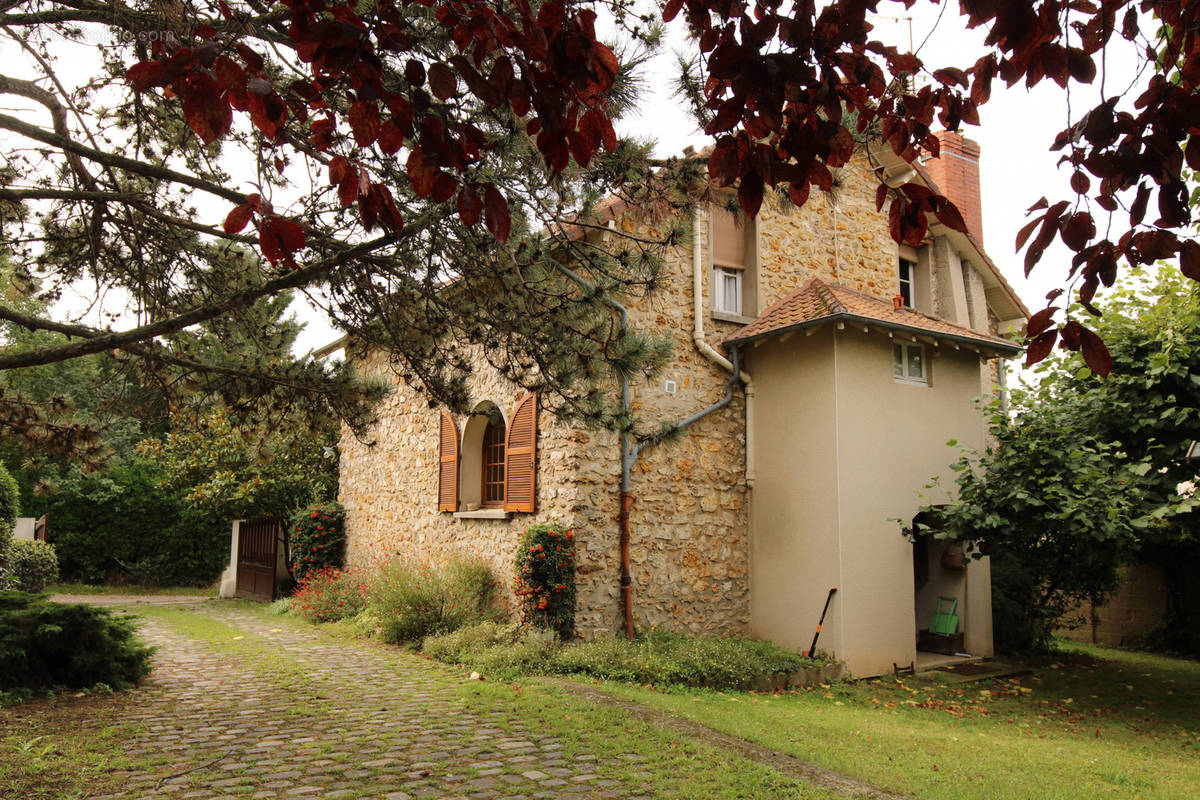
1006	350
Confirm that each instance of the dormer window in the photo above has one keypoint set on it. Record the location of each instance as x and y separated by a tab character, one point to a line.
733	263
907	274
728	290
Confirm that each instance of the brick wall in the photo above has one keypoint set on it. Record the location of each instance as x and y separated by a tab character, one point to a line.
956	173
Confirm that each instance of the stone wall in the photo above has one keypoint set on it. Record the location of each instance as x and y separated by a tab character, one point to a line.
1138	606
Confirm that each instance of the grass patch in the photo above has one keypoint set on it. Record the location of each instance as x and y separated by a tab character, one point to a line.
669	766
63	748
1126	724
87	588
656	657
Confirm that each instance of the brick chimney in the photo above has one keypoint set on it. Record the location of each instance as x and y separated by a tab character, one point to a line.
956	172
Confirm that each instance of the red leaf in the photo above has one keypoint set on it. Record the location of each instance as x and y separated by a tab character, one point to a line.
145	75
339	169
1095	353
422	170
1040	322
443	187
949	216
1040	347
671	9
1023	234
1191	152
206	107
495	213
750	194
229	74
469	205
280	239
238	218
442	81
322	133
390	138
1189	259
1078	230
880	196
364	122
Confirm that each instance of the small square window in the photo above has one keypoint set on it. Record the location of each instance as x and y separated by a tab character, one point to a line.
727	290
908	362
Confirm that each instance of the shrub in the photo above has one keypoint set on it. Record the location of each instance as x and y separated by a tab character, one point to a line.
414	600
121	525
317	539
33	564
545	578
329	595
44	645
10	498
502	650
662	657
658	657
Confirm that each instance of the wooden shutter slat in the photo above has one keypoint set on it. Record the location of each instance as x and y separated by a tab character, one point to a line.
520	456
448	464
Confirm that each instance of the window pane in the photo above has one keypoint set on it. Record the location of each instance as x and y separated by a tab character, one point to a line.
727	291
897	361
916	367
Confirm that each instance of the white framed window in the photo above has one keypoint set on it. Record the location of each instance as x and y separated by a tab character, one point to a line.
908	363
727	290
907	275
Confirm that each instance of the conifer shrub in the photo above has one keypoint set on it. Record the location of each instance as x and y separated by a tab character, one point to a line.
44	645
317	539
544	580
33	564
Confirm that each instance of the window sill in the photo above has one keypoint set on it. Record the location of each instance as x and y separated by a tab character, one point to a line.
483	513
725	316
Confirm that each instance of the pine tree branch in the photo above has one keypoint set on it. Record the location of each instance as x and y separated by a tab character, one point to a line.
201	313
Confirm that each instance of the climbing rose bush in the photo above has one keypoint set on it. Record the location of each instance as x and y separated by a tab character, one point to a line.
545	578
318	539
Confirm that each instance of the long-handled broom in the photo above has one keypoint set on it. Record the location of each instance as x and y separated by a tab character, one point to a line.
812	649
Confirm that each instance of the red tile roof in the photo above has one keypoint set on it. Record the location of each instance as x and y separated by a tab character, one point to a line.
818	302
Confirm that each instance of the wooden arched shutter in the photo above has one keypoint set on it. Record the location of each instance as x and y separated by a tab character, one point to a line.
520	456
448	467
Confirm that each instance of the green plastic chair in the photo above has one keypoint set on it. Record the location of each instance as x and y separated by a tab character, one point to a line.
945	622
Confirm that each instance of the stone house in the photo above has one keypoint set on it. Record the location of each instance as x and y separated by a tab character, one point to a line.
857	360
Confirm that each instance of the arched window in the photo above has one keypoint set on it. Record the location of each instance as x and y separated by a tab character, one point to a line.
496	465
493	466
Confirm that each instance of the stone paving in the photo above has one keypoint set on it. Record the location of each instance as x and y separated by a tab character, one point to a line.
368	723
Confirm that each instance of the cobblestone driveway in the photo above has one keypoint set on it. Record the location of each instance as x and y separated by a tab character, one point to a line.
376	724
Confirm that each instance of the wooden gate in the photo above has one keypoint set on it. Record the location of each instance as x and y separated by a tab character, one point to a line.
258	541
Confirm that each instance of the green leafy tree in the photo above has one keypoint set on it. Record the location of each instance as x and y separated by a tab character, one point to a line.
231	471
1084	475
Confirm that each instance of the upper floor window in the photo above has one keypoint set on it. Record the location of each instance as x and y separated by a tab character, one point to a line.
908	362
727	293
733	260
908	277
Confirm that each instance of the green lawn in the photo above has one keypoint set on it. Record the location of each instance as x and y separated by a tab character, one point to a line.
87	588
1126	726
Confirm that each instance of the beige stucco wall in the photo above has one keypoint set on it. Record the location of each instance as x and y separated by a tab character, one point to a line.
862	447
